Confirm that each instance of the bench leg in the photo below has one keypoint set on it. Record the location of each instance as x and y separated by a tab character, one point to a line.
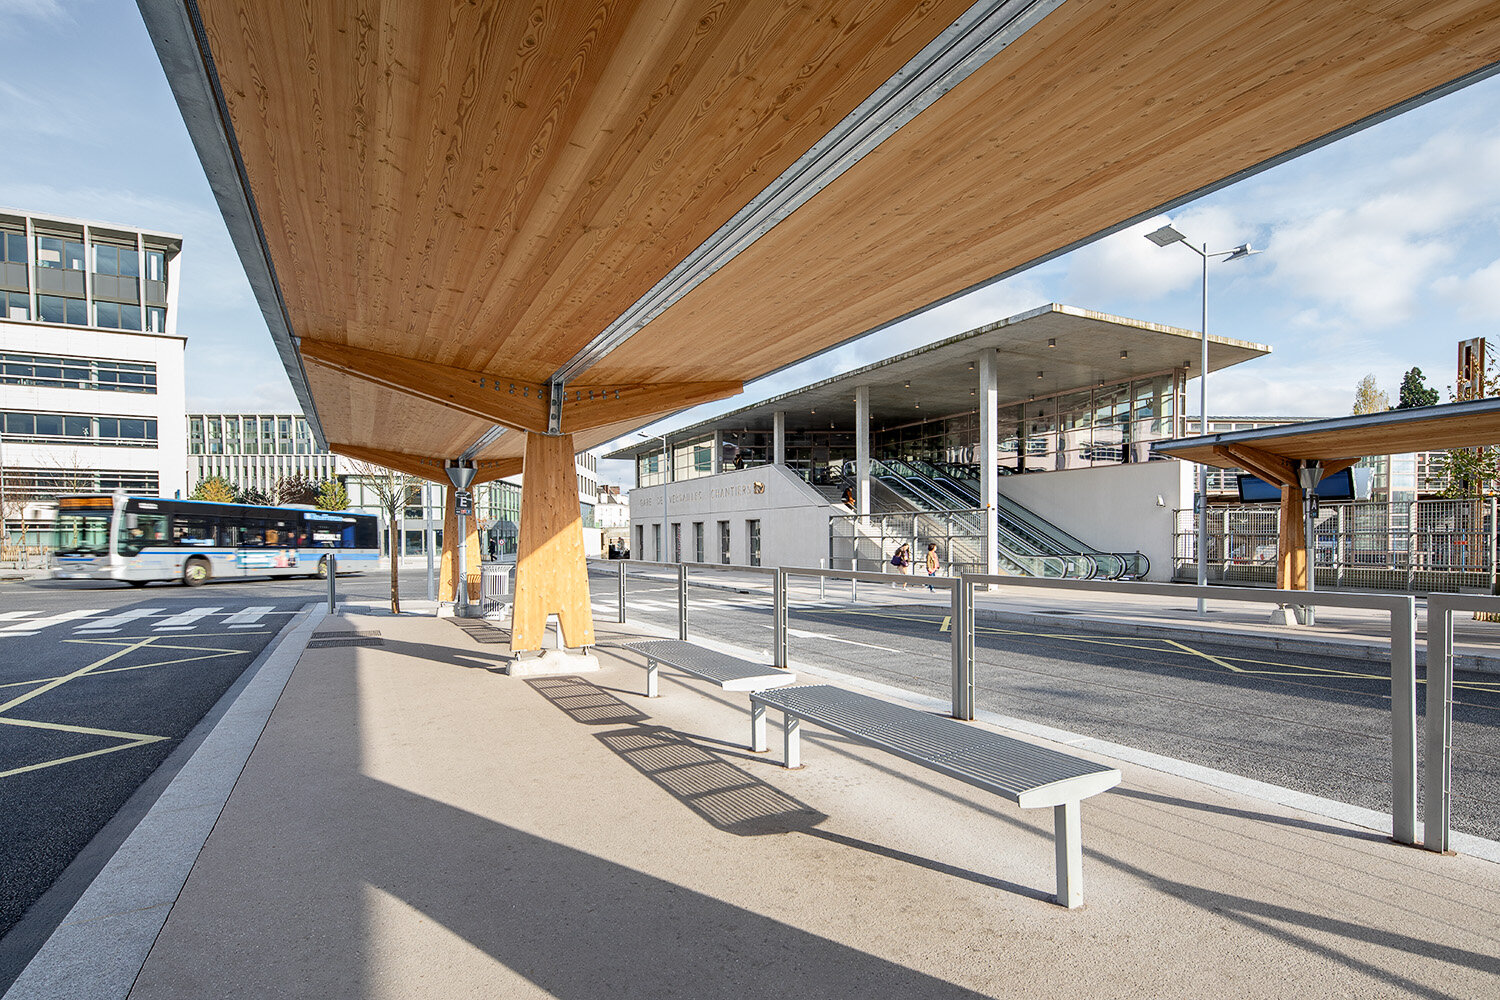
651	678
1068	841
792	735
757	727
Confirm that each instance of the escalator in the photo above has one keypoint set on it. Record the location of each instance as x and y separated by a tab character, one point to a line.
1024	537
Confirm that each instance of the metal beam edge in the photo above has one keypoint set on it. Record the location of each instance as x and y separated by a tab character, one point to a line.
181	44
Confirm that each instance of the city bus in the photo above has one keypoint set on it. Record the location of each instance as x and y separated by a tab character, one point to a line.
138	539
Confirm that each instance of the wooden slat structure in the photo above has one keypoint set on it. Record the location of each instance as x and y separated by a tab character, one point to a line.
572	218
1274	454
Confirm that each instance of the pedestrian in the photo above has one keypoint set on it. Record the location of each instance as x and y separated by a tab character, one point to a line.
849	497
902	561
932	561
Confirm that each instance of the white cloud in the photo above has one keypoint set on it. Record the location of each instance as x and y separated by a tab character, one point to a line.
14	11
1476	295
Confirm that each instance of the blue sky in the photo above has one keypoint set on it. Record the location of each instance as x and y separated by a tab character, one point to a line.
1382	251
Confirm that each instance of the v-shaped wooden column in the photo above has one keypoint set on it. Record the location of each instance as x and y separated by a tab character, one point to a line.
551	576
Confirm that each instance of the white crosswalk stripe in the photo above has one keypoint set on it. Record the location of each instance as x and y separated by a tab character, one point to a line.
9	616
186	620
114	622
249	617
35	625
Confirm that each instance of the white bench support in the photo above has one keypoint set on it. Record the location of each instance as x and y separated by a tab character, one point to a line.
1067	839
792	740
729	672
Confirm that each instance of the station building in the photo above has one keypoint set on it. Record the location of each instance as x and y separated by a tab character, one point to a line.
1065	402
91	364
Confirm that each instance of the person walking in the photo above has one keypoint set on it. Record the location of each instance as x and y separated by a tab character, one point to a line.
902	561
932	561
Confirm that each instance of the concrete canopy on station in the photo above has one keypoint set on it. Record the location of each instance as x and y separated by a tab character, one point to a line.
1275	454
569	220
1072	348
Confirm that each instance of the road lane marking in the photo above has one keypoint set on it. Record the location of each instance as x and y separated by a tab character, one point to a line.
81	671
133	740
35	625
114	622
249	617
186	620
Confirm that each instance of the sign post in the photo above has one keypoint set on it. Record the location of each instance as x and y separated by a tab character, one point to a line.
461	475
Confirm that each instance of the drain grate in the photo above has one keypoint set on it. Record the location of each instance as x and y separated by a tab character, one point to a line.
327	640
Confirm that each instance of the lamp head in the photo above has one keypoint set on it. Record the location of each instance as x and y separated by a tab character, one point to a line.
1166	236
1243	250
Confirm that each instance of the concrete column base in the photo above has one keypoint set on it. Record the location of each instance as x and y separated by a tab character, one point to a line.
1286	614
552	662
447	609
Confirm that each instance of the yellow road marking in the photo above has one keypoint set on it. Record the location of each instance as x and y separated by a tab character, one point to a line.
947	622
56	682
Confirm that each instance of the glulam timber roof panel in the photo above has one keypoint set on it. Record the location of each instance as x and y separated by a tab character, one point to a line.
1091	118
490	186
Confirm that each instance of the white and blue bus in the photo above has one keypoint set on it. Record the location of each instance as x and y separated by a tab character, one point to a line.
138	540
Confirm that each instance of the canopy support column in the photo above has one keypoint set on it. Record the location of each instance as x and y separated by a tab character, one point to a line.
989	456
862	448
448	571
551	576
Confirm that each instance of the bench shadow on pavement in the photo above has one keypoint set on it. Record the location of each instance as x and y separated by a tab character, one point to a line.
725	796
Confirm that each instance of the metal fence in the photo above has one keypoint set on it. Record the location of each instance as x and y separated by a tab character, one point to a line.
867	543
1437	732
1422	546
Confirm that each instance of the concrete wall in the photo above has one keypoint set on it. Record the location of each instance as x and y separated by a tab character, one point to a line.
1117	508
793	517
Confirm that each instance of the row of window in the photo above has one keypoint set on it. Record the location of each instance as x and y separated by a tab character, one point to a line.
62	253
69	428
78	373
55	482
752	542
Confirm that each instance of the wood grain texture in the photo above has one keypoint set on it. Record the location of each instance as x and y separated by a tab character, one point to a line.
551	575
1291	543
487	186
448	564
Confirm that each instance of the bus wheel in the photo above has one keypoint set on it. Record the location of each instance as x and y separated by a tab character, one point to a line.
323	568
195	572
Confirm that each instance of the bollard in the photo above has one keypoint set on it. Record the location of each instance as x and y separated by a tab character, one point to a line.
332	561
621	568
682	601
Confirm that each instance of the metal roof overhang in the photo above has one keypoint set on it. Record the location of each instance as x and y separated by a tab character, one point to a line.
461	216
1273	452
1072	349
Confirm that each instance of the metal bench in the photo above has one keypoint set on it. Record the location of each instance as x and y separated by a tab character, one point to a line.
729	672
1029	775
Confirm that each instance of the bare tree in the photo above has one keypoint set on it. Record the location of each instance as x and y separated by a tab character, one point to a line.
394	492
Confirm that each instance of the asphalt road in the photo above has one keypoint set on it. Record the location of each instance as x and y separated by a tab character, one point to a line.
100	682
1311	722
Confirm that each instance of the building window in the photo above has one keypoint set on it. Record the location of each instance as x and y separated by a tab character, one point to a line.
724	542
15	305
58	252
156	265
77	373
117	316
698	541
121	261
13	247
71	428
677	541
156	319
752	530
656	539
59	309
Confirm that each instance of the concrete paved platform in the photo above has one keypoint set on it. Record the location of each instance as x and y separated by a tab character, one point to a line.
414	823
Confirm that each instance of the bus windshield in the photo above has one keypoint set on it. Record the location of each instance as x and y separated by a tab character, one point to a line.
83	533
140	530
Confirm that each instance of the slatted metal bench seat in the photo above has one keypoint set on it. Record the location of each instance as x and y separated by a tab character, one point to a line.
1029	775
729	672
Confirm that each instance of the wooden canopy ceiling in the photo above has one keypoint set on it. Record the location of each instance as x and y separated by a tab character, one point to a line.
1272	453
574	216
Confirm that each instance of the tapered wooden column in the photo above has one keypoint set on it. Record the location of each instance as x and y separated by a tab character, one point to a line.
551	576
1291	545
447	586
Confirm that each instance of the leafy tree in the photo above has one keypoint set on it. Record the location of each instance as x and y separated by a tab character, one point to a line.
333	496
251	495
1368	397
394	492
215	489
1415	392
296	488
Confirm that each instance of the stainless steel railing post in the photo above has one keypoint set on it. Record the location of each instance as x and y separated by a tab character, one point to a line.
962	624
1404	722
778	617
1438	761
682	631
333	562
621	569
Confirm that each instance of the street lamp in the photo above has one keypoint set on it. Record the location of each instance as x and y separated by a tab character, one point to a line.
1166	236
665	478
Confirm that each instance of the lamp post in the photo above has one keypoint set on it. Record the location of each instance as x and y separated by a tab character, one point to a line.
666	477
1166	236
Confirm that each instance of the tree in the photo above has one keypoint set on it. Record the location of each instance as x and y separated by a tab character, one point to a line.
1368	397
1414	391
333	496
394	492
251	495
296	488
215	489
